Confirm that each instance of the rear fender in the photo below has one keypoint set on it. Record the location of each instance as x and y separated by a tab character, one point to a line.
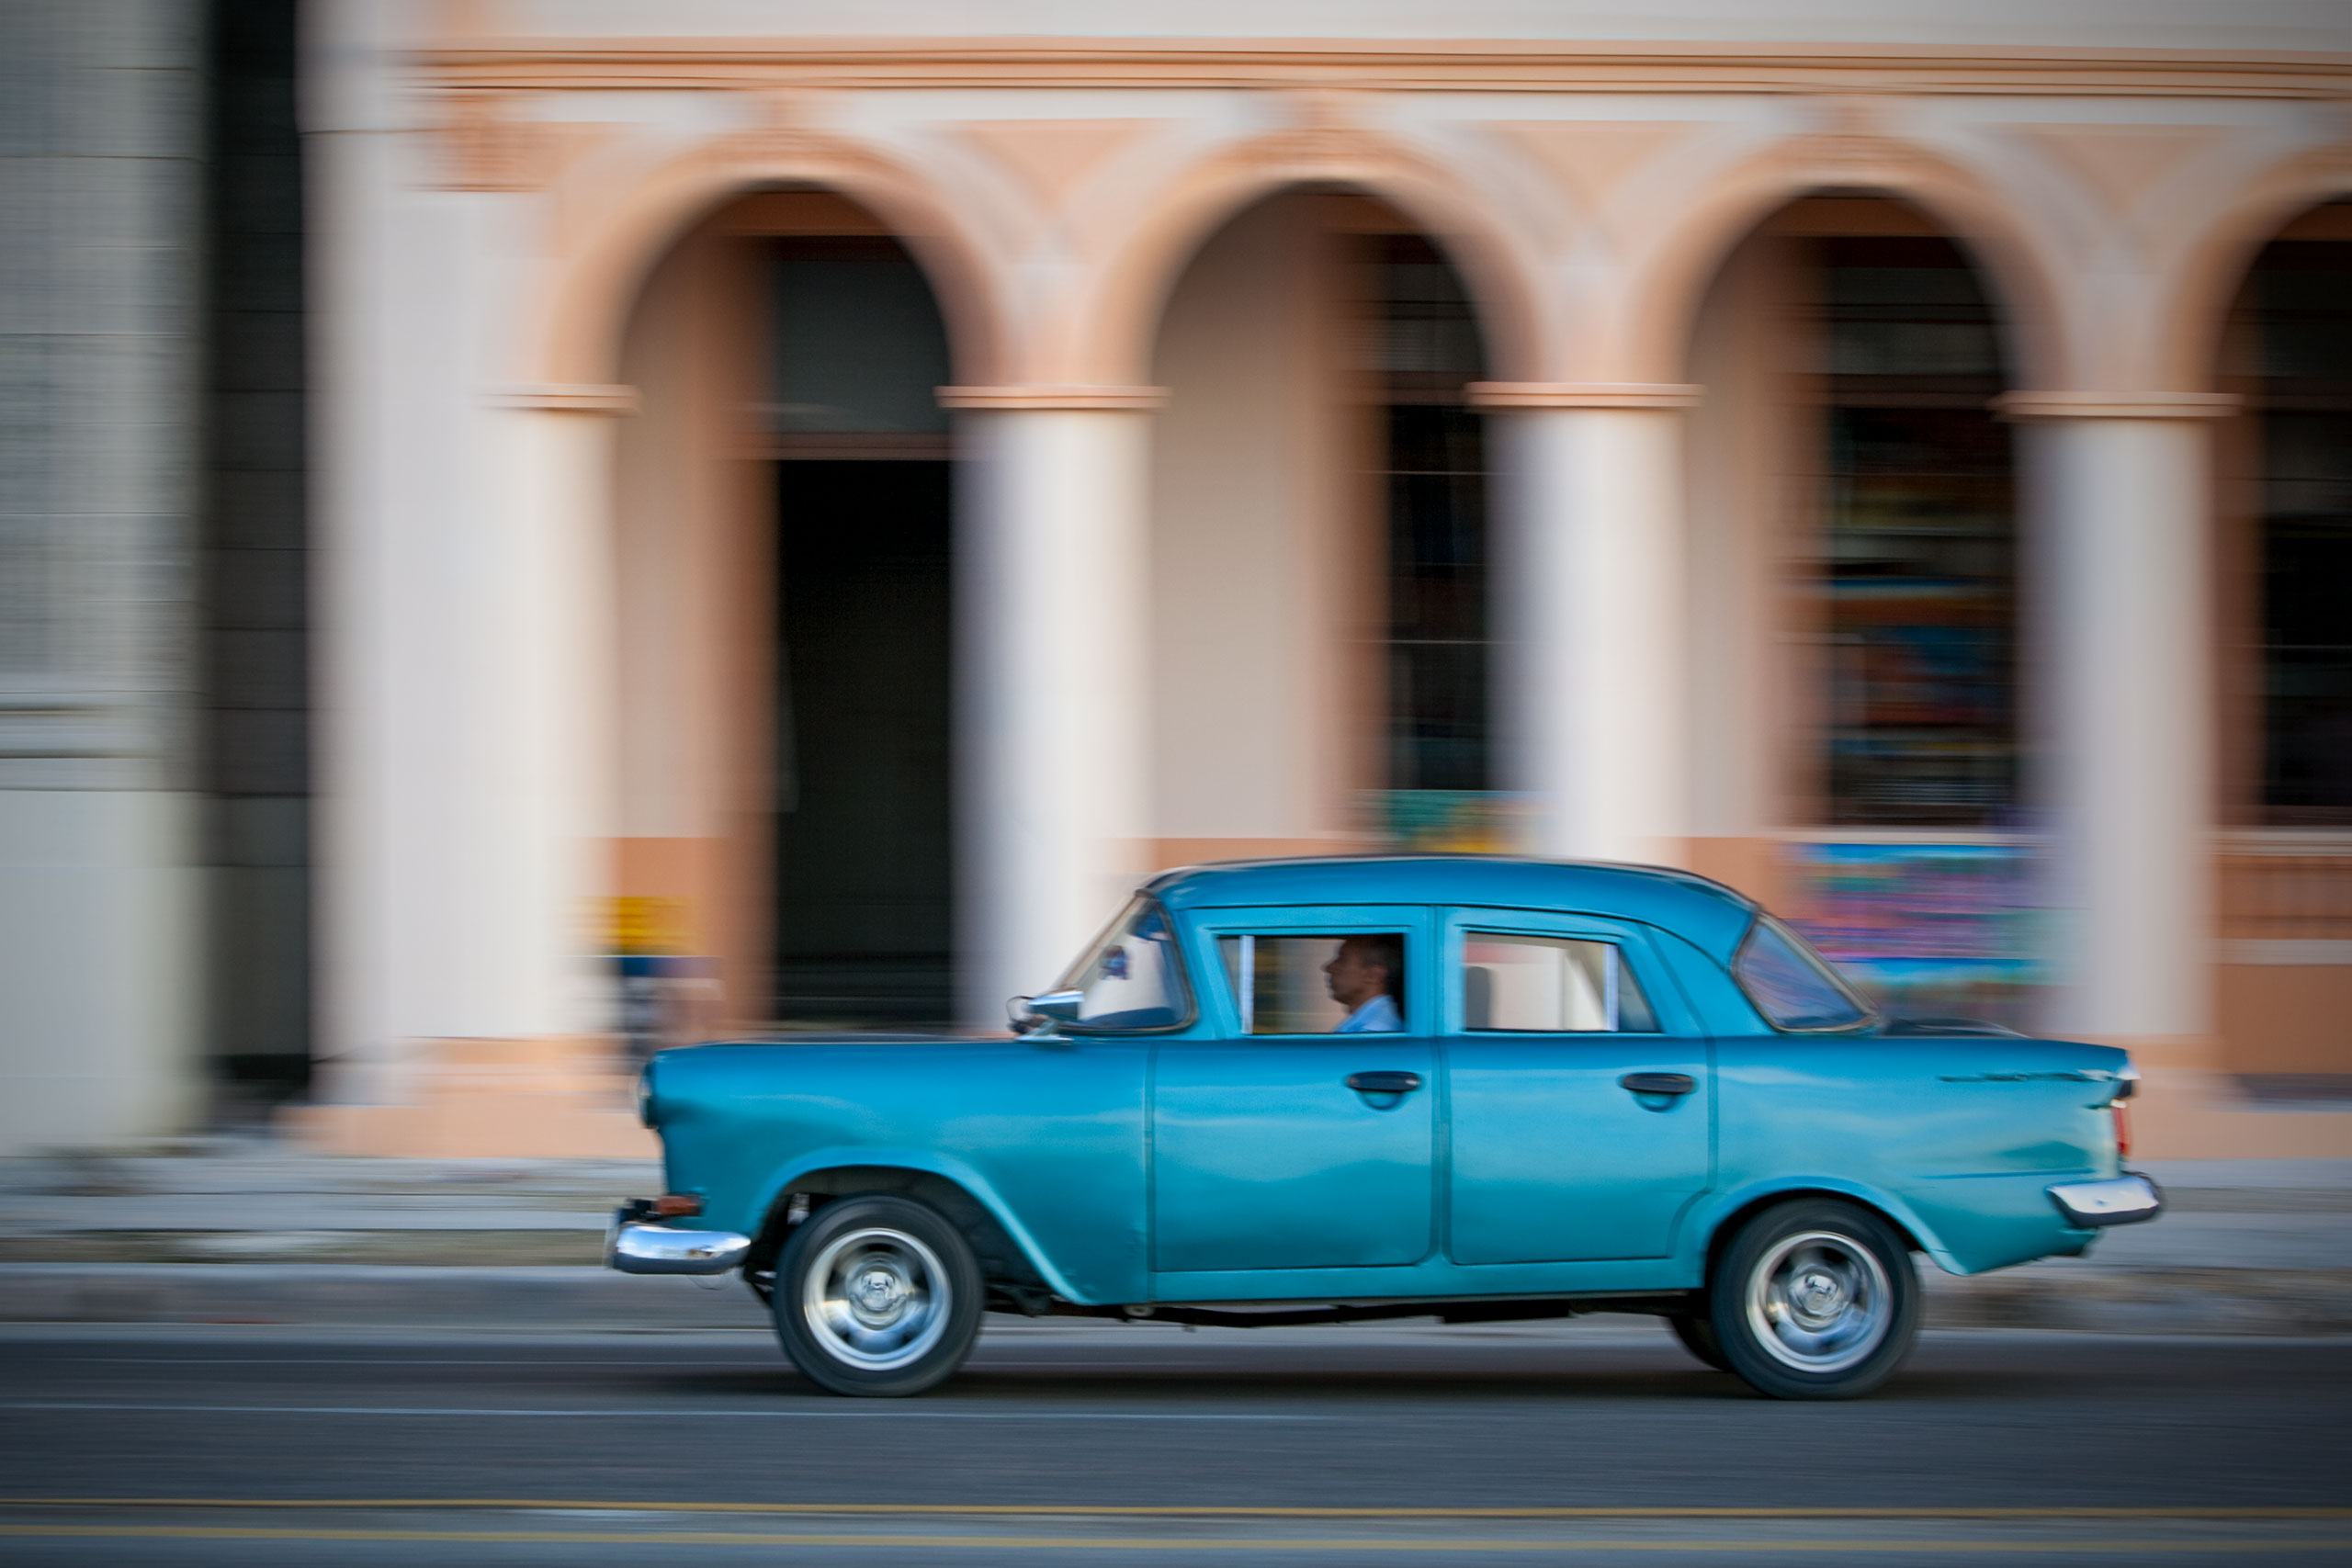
800	1173
1724	1209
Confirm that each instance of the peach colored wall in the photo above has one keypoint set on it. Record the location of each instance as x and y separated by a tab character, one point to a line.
2283	1018
1744	443
1756	866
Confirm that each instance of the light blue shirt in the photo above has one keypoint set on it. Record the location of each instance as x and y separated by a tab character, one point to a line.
1378	1016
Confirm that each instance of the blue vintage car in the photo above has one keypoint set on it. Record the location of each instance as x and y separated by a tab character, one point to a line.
1335	1090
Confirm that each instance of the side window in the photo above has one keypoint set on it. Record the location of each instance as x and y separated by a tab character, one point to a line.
1549	985
1288	983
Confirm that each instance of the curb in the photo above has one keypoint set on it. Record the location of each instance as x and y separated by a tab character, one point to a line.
554	1298
2143	1300
558	1298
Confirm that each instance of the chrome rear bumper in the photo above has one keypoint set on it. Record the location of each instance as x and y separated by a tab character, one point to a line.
2124	1199
634	1248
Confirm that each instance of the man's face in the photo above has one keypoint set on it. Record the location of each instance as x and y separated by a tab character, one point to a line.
1354	975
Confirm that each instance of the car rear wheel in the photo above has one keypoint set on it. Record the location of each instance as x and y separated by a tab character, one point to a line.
877	1296
1697	1332
1815	1299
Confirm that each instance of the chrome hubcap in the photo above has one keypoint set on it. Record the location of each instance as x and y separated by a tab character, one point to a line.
876	1299
1820	1302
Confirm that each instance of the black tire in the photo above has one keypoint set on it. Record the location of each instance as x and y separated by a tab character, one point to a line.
877	1296
1697	1332
1814	1299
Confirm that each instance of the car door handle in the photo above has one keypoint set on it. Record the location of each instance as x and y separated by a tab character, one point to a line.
1658	1083
1384	1083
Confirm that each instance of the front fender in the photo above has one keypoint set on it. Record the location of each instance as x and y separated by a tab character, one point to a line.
930	1162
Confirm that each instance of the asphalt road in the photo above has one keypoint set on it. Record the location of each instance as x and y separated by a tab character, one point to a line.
1597	1442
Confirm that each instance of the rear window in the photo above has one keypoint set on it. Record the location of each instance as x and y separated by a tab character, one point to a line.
1792	984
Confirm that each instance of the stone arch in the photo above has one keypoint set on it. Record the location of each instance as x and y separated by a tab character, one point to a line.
2192	311
1113	338
1653	342
575	339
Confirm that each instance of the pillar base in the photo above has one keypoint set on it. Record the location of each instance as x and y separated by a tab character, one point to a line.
2194	1113
535	1099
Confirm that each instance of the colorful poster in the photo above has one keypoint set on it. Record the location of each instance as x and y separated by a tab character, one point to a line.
1930	930
1457	821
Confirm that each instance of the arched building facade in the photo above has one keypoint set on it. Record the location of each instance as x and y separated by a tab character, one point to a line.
1847	469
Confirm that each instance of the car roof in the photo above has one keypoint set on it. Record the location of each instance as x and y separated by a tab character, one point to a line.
1709	914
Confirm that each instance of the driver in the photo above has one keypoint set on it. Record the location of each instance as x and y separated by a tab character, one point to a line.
1367	978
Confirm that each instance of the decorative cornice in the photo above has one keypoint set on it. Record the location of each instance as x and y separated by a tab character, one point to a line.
1140	400
1373	63
1325	125
577	397
482	146
1853	144
786	125
1499	395
2021	406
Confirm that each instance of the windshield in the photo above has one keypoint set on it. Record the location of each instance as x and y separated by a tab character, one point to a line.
1132	976
1792	986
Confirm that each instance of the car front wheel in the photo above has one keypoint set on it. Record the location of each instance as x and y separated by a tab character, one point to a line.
877	1295
1814	1299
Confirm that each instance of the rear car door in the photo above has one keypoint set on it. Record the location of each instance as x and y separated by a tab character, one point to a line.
1579	1091
1263	1155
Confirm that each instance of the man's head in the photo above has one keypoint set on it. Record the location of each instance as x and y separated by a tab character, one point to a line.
1365	967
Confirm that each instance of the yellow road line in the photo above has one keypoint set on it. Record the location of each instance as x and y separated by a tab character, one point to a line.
1139	1543
1180	1510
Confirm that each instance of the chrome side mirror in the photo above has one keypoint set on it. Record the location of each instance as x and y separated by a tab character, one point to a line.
1031	1015
1058	1006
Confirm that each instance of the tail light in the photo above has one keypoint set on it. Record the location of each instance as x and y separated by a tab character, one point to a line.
2127	1085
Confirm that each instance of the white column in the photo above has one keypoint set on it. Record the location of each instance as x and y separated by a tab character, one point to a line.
1053	683
467	867
2116	500
549	805
1589	575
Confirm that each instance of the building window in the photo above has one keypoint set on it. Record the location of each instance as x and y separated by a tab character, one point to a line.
2301	302
1919	585
1425	351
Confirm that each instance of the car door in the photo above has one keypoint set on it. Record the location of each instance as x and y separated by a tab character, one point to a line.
1579	1089
1275	1142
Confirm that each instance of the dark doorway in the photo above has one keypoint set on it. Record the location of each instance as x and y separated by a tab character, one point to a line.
2299	300
253	640
863	896
862	900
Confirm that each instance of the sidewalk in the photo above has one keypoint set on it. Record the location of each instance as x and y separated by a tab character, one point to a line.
252	1232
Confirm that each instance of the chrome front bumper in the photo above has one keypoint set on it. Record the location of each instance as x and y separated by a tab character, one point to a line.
2125	1199
635	1248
